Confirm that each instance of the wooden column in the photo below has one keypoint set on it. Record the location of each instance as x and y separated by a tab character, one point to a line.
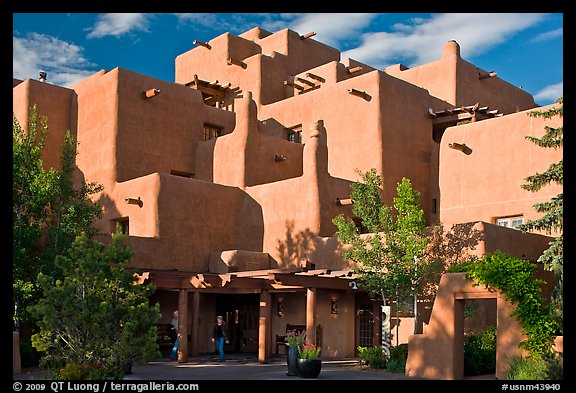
265	327
195	340
310	315
183	326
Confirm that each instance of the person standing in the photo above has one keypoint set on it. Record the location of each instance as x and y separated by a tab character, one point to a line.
174	335
219	337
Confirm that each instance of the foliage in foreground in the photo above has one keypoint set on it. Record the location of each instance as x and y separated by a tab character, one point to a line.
374	357
515	278
535	368
96	321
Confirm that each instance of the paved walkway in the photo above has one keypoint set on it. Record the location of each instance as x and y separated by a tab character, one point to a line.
239	367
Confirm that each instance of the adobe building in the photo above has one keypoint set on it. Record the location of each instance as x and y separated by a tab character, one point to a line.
226	180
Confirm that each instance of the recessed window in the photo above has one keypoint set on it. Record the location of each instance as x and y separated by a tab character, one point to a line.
211	132
124	223
294	134
181	173
510	222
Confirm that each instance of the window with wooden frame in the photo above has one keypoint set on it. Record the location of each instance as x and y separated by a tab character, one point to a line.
212	132
510	221
294	134
124	223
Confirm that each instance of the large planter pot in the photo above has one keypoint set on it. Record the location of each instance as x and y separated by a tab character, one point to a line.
309	368
291	360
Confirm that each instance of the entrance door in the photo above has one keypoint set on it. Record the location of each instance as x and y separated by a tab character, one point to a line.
241	314
365	325
248	315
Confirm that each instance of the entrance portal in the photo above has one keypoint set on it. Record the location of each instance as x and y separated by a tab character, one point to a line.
241	313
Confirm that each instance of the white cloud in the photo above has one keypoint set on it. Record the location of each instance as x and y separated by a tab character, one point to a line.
548	35
331	28
119	24
550	94
422	41
64	62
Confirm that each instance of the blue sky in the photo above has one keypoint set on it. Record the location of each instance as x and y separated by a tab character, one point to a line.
525	49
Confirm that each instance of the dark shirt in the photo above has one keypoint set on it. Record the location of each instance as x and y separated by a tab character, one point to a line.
219	331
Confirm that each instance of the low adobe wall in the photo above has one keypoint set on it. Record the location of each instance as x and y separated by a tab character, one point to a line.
439	354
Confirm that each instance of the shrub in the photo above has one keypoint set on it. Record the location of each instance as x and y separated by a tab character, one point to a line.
397	361
535	368
396	366
526	368
373	356
480	353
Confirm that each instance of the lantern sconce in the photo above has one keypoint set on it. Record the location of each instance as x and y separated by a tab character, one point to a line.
280	307
134	201
334	305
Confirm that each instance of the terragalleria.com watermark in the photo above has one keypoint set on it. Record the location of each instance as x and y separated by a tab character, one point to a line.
101	387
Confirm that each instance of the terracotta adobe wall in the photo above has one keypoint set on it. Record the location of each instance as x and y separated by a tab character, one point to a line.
59	104
143	136
456	81
266	63
485	184
296	211
246	156
194	219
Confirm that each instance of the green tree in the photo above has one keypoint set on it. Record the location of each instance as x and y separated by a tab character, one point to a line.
33	188
552	211
390	257
97	319
49	209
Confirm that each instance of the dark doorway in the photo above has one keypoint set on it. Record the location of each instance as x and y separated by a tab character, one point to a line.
368	323
241	315
479	337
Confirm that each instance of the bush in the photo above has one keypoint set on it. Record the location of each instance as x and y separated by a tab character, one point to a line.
373	356
526	368
397	361
480	353
534	368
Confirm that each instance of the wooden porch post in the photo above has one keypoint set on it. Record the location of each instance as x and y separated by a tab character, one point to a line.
195	340
183	326
264	327
310	315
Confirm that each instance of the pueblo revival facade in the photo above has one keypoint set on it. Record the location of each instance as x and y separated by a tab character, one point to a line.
226	180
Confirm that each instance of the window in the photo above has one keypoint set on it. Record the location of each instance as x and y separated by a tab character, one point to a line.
181	173
510	222
295	134
365	325
211	132
124	225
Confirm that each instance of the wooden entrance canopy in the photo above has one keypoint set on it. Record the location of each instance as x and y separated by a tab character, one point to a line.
270	279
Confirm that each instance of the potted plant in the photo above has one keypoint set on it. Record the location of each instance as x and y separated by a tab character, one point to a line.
294	340
309	364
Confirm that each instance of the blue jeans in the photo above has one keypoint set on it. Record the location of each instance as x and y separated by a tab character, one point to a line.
174	353
220	347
